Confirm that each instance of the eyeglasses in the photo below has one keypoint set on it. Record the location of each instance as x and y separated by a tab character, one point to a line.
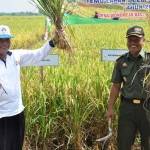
2	90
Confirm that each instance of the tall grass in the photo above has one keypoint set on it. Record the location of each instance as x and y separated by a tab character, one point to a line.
68	110
28	30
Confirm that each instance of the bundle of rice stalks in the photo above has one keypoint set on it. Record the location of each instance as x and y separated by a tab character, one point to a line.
55	10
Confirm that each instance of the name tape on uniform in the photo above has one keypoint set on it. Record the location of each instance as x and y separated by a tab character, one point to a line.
50	60
111	54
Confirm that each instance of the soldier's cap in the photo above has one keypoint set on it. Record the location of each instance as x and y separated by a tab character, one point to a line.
135	31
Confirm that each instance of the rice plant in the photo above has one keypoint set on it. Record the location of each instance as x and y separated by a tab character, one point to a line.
68	110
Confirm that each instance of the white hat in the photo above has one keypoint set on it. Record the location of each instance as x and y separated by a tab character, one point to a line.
5	32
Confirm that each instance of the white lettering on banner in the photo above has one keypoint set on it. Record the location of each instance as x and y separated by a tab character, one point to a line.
138	6
123	15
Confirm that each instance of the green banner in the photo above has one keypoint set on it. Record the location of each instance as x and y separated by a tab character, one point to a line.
75	19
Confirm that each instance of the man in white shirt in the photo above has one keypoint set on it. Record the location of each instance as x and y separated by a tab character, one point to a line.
12	121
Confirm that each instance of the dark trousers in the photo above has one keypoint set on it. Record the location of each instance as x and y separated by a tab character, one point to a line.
133	118
12	132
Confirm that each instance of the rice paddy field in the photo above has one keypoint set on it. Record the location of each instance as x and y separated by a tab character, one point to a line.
67	110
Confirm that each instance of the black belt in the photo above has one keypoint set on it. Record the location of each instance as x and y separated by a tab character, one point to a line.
136	101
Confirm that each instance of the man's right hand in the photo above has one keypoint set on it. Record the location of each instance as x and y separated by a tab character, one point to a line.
114	93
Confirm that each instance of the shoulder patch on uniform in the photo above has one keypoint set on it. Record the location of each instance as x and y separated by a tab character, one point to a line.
124	64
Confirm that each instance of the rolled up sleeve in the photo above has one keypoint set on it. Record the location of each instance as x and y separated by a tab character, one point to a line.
116	75
31	57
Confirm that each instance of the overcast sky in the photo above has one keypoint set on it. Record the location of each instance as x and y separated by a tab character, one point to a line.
17	6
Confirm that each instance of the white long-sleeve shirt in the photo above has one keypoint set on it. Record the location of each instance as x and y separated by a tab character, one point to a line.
10	86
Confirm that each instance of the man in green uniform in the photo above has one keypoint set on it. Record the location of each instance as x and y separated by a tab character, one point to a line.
132	116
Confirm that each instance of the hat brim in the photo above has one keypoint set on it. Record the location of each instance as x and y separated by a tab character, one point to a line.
6	36
135	34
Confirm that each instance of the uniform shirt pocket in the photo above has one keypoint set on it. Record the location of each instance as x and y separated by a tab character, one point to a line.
127	71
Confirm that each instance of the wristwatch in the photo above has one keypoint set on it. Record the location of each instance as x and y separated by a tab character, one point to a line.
52	43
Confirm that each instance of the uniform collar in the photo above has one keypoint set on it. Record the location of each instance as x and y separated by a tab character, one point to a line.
141	54
9	53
